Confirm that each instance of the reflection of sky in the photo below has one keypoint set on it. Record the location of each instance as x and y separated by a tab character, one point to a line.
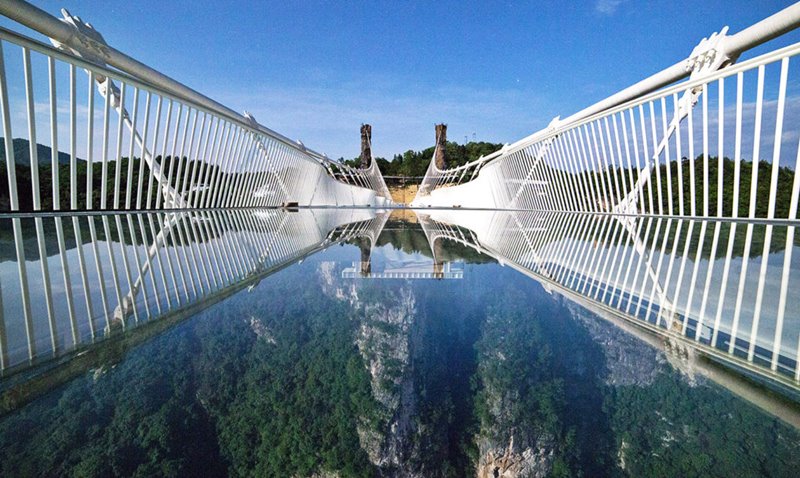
765	334
12	296
182	275
598	262
481	287
11	309
560	251
388	257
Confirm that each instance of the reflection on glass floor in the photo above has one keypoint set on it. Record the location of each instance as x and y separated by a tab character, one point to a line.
688	279
415	266
689	287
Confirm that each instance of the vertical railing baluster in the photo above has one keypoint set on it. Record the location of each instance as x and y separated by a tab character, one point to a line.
120	123
153	158
25	297
100	276
73	140
87	294
32	143
68	293
55	165
104	151
90	143
126	266
139	266
11	167
187	161
148	257
174	201
132	151
46	285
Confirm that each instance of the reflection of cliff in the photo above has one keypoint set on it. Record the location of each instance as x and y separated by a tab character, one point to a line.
628	360
662	404
643	291
383	340
410	238
520	397
385	318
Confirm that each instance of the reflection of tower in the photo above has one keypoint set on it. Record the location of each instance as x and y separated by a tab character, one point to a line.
438	263
366	145
366	248
441	146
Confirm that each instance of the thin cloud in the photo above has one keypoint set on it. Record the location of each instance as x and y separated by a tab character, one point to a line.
607	7
327	118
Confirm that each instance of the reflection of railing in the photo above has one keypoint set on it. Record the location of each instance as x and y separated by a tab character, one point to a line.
657	274
661	153
406	272
107	274
167	146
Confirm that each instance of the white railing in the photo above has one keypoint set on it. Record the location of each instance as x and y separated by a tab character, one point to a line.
438	178
658	274
661	153
136	139
90	277
369	177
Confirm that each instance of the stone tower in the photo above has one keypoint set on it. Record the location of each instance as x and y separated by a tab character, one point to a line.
441	142
366	145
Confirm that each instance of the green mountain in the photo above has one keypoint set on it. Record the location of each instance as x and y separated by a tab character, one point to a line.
22	152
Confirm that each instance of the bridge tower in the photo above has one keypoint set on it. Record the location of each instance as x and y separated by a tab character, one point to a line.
365	245
441	146
366	145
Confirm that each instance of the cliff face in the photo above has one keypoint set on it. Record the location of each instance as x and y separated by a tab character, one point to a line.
383	340
513	462
519	399
629	361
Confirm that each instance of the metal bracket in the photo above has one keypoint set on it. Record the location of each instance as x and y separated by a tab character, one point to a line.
710	55
251	119
95	47
95	51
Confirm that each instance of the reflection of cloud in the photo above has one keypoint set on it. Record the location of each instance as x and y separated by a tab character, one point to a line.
607	7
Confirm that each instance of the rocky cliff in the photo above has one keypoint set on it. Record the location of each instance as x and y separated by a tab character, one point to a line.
384	321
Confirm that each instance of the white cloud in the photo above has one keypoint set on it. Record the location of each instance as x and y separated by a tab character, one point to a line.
402	115
607	7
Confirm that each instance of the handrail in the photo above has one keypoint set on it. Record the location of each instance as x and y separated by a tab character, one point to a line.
767	29
214	156
714	53
46	24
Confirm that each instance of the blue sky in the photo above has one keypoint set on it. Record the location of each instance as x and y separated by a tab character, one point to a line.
315	70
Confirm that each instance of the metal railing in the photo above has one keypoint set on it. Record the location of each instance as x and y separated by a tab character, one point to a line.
88	278
658	274
136	139
662	153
